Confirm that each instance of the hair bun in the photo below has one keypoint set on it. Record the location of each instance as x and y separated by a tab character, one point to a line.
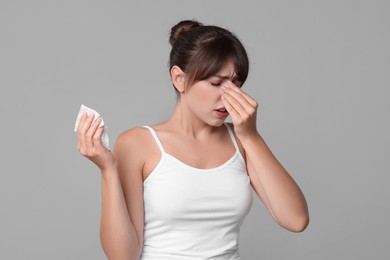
181	28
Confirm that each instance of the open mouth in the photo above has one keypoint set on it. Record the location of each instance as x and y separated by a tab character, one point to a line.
222	112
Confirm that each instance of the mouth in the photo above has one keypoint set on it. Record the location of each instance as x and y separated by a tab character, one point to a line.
221	112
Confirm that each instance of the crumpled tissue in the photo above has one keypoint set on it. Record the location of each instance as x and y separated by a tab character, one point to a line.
89	111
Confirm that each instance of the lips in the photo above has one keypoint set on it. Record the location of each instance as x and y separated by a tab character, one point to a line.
221	112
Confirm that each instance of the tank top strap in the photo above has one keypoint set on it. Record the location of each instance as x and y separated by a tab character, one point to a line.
232	136
155	137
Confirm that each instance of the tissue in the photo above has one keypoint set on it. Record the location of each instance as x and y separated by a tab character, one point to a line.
89	111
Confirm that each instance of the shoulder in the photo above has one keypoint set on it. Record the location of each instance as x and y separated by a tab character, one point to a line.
137	152
133	143
132	136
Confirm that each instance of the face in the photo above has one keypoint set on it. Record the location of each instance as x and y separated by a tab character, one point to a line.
203	99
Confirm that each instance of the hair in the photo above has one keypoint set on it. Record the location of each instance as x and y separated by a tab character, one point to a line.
201	51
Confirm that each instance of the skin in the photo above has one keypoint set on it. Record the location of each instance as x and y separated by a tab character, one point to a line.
195	124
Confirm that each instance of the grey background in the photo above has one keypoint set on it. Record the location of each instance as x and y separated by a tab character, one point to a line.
320	70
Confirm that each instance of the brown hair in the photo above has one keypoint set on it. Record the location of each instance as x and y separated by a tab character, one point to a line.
201	51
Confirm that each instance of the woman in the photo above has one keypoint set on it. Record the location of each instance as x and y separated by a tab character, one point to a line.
182	188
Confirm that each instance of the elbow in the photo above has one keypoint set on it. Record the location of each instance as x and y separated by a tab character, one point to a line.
122	255
295	223
115	250
299	224
299	220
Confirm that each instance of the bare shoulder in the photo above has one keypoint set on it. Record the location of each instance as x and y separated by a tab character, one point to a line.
132	137
132	146
136	152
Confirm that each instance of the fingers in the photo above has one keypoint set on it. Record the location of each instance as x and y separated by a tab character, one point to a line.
89	134
98	134
81	129
237	101
232	106
92	136
237	90
242	109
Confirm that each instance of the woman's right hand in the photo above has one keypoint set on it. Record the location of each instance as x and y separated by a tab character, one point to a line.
89	143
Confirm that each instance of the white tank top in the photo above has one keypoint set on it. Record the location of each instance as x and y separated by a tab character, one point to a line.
193	213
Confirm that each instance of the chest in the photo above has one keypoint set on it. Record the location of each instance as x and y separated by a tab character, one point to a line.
178	193
201	156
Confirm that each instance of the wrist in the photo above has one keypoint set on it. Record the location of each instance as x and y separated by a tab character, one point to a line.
109	172
249	137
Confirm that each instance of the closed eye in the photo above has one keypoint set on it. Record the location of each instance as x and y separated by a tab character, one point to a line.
216	84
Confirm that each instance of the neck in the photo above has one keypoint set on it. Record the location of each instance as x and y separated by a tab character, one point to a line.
188	124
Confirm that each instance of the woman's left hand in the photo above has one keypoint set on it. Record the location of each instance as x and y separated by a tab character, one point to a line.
242	108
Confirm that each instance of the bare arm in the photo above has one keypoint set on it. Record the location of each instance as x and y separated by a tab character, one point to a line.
118	233
276	188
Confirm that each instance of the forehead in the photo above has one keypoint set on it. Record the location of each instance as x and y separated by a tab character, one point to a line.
227	71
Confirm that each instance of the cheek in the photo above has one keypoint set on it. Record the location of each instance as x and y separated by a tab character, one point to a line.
217	95
205	94
201	94
212	96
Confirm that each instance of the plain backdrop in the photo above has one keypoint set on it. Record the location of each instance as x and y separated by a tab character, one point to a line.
319	69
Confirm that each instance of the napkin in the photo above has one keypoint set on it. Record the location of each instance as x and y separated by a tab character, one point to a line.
89	111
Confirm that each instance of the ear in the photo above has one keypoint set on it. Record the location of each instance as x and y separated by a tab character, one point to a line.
178	78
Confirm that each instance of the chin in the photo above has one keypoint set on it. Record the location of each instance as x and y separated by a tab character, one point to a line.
217	123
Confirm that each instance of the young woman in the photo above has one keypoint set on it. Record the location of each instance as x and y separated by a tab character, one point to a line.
181	189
